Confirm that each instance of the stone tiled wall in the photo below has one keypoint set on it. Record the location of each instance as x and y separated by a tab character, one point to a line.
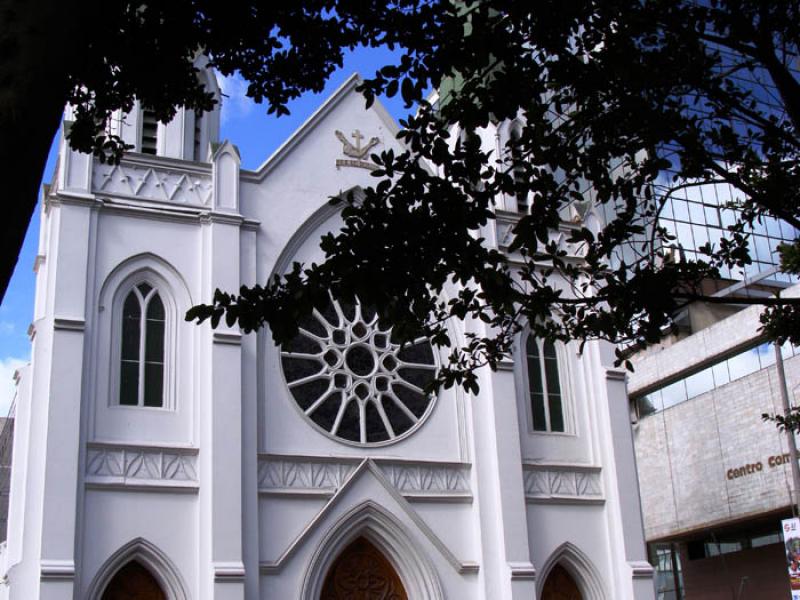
686	455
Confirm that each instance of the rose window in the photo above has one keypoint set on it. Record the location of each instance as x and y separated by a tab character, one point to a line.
353	380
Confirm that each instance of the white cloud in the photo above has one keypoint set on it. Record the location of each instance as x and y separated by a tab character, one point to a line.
235	103
7	387
7	327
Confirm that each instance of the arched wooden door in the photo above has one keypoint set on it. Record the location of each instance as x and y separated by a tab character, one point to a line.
361	572
133	582
560	585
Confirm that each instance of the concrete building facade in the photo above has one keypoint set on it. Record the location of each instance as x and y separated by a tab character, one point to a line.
715	477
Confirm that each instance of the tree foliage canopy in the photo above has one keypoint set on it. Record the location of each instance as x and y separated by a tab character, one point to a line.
621	105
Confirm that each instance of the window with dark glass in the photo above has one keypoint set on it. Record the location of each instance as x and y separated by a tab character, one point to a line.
198	132
518	168
142	353
702	212
544	386
149	131
666	559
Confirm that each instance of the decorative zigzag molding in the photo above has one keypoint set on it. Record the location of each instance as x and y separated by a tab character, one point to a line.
144	182
310	476
562	484
112	465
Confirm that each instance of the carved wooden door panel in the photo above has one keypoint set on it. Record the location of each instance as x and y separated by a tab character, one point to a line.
560	586
133	582
361	572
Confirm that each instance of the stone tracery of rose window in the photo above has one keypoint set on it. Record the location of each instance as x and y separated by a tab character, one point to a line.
353	380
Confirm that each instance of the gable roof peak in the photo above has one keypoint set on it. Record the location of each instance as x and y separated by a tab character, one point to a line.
342	92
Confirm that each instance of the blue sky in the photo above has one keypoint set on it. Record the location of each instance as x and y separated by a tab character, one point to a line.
244	123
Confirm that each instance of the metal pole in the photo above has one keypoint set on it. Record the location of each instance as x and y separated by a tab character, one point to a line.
789	431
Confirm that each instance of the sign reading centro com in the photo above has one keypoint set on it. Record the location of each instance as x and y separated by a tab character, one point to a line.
773	461
791	541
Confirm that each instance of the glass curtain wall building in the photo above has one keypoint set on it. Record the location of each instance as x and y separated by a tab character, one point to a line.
701	214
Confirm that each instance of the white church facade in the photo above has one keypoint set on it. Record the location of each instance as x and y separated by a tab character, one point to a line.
161	459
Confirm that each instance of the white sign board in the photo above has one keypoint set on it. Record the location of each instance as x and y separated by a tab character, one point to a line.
791	539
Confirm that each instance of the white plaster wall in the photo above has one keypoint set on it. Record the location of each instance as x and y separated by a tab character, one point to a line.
290	577
282	519
453	523
114	518
169	249
575	444
550	526
295	194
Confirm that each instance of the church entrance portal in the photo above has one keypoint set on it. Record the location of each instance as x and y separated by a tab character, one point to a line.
133	582
361	572
560	586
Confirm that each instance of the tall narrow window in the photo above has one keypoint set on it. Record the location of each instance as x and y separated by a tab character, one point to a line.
149	131
544	386
518	167
198	132
470	143
142	353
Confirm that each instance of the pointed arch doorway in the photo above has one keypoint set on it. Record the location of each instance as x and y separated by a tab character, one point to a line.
560	585
362	572
133	582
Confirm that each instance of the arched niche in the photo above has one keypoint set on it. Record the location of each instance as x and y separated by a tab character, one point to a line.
109	420
303	245
133	580
568	565
126	565
560	585
444	425
388	536
361	572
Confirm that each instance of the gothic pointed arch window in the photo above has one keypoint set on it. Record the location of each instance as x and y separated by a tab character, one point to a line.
544	386
143	329
361	572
